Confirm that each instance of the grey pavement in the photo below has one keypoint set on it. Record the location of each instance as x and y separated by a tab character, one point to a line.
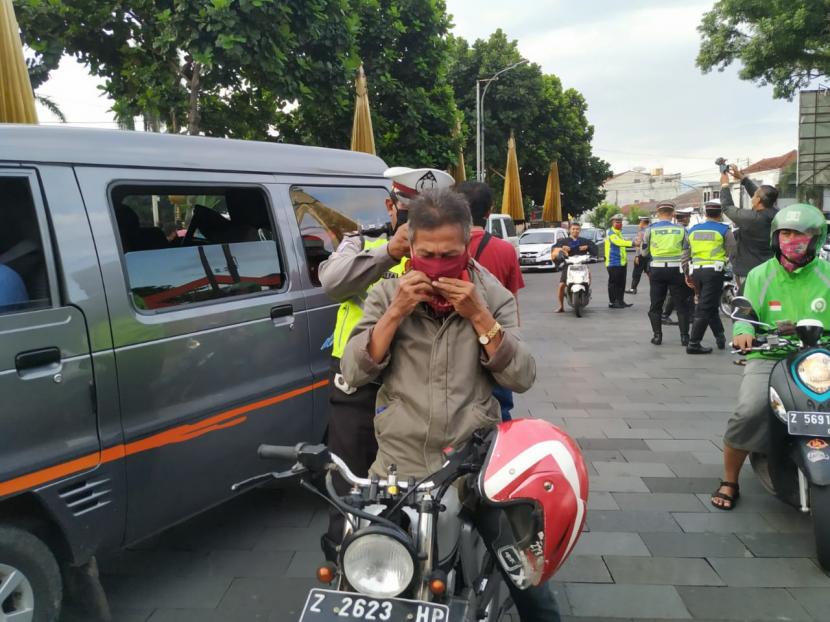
650	421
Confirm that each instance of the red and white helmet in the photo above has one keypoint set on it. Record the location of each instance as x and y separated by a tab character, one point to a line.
535	477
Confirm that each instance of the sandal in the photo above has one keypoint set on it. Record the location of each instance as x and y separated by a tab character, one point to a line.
732	499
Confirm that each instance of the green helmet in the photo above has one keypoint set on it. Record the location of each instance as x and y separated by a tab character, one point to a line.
803	218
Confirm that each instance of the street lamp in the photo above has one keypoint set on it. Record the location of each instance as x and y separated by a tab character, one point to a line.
480	174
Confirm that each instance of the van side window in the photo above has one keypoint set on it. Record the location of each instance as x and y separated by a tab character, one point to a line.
23	281
497	228
511	227
192	245
326	213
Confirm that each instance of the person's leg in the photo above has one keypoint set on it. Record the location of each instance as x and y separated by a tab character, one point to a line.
621	278
505	399
747	429
611	291
702	315
351	435
715	323
682	296
561	293
657	297
636	275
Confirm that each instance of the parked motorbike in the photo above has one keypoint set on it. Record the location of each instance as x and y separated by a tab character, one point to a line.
796	467
730	290
824	253
410	551
578	282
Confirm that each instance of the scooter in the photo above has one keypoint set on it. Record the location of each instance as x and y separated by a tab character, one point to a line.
730	290
796	467
408	552
578	282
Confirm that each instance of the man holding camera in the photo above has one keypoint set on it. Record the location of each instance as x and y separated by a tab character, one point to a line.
347	276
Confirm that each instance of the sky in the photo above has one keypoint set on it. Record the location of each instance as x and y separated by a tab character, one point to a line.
633	60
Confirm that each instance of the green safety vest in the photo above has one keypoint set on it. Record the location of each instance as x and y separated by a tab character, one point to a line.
665	241
350	312
708	243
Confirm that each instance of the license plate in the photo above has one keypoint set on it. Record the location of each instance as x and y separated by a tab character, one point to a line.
525	261
808	424
331	606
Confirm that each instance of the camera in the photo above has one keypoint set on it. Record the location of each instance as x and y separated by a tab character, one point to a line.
723	166
377	230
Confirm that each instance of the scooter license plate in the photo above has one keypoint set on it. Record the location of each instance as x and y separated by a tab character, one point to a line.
808	424
331	606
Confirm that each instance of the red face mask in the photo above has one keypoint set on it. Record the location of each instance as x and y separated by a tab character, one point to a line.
435	268
617	225
794	251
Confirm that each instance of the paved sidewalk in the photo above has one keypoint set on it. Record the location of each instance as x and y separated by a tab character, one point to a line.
650	422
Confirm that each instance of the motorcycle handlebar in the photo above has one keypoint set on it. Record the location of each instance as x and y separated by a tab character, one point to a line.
279	452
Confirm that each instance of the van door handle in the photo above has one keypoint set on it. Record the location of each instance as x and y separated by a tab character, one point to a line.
283	311
37	362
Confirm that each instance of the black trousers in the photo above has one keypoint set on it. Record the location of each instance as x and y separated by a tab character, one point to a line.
616	283
709	284
663	281
637	272
351	435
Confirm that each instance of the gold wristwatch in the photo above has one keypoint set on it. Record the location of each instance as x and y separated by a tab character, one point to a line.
488	336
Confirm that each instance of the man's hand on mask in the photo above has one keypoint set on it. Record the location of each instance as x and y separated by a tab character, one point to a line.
398	246
462	295
413	287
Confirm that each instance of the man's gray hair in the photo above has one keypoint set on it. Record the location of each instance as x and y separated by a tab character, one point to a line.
436	208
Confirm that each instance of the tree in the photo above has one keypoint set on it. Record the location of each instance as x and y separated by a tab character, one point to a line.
785	43
600	216
404	49
634	213
205	66
549	122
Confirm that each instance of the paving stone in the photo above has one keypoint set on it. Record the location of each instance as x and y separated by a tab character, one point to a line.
633	469
616	484
600	543
249	563
694	545
643	433
724	522
265	595
729	603
631	521
603	455
288	539
209	615
779	544
584	569
791	521
677	445
749	503
160	589
661	571
304	564
715	471
680	484
815	600
665	457
758	572
657	502
611	443
629	601
601	501
709	457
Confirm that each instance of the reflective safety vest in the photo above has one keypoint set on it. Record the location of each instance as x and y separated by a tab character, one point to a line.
665	241
615	246
708	243
350	312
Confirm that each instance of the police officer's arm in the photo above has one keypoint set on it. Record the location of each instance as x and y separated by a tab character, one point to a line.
618	240
645	253
351	269
686	255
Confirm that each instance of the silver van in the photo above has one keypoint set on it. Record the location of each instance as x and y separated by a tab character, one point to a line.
160	317
502	226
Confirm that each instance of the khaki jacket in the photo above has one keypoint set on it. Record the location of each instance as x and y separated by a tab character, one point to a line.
437	385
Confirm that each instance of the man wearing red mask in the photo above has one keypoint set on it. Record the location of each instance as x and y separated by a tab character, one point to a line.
439	339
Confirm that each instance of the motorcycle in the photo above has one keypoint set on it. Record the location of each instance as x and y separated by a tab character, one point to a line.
408	552
578	282
824	253
730	290
796	467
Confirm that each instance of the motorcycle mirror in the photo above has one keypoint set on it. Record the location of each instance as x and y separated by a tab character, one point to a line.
809	331
742	310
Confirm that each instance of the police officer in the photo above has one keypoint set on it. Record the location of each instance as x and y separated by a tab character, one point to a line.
711	245
615	262
682	216
639	264
663	245
347	275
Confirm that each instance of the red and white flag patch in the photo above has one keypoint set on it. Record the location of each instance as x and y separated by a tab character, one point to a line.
774	305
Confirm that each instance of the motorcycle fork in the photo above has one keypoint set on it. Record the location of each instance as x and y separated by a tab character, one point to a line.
803	488
426	544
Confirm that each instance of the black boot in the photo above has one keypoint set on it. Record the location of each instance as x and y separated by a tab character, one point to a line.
656	328
720	341
683	321
698	330
696	348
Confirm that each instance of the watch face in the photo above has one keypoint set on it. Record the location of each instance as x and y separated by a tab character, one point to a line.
484	340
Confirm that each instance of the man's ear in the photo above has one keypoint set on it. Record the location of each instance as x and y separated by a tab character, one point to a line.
390	206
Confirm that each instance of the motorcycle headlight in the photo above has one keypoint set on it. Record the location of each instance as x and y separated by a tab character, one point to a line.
377	563
777	405
814	371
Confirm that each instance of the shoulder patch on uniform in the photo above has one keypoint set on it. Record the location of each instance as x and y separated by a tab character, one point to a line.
390	275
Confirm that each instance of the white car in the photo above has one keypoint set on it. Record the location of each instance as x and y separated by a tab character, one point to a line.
535	246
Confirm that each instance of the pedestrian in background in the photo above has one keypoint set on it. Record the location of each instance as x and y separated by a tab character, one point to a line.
497	255
615	263
753	224
639	264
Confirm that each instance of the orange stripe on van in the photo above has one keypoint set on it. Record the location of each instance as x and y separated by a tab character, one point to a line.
179	434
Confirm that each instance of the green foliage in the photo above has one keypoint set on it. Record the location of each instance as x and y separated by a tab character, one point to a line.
404	50
224	68
601	215
549	122
634	213
785	43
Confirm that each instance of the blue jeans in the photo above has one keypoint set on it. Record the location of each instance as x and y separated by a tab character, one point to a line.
505	398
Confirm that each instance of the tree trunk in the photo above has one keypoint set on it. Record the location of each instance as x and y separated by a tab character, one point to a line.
193	112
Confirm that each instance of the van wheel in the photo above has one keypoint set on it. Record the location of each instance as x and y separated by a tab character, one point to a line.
31	588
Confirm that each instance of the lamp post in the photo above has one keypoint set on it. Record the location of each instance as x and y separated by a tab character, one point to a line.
480	174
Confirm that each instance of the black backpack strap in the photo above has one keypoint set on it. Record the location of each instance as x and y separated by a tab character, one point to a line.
484	240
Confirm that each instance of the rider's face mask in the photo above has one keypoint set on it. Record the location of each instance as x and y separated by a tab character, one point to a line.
795	249
617	224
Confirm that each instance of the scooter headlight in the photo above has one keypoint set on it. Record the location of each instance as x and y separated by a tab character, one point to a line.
777	405
376	562
814	371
